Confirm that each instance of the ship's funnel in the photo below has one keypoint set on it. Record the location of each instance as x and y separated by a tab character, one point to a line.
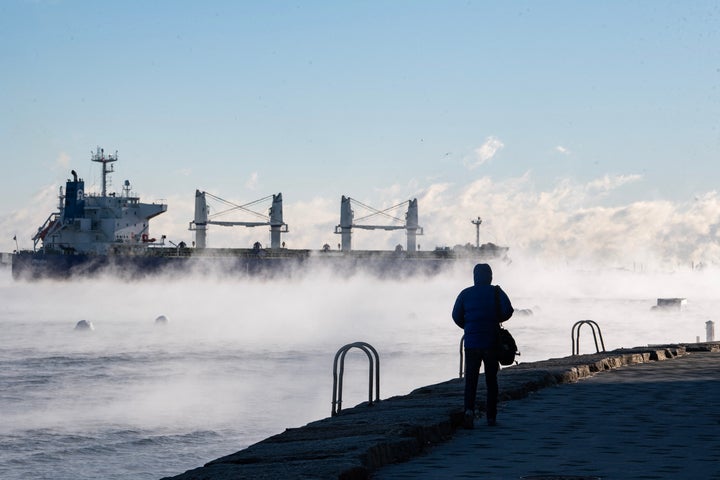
74	198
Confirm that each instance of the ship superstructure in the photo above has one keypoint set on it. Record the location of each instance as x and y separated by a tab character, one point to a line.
98	224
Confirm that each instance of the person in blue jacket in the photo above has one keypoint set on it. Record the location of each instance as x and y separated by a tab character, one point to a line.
480	310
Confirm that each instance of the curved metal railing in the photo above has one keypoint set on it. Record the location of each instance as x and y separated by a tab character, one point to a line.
374	361
576	340
462	357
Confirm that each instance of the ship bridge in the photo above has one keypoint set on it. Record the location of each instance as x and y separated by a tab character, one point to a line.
93	223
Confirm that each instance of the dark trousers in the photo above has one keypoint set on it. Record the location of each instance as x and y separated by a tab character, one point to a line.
474	357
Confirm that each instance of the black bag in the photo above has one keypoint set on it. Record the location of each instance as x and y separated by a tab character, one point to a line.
505	345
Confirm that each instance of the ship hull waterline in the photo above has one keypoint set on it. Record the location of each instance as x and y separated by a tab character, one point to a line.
241	262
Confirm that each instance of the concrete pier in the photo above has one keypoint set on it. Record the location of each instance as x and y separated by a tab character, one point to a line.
646	412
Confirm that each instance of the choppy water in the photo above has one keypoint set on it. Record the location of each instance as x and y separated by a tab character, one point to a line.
241	360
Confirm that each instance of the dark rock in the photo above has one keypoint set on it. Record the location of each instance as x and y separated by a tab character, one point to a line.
84	325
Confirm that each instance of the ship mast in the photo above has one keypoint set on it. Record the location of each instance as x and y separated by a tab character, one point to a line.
100	156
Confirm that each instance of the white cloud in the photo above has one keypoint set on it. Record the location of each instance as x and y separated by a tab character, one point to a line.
63	160
398	191
485	152
253	181
568	223
24	222
608	182
563	150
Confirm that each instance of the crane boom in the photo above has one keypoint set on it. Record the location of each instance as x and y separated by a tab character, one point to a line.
347	222
274	220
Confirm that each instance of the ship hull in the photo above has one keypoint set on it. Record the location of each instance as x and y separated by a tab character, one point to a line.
243	262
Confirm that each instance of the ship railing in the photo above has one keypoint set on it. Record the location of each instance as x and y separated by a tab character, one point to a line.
165	251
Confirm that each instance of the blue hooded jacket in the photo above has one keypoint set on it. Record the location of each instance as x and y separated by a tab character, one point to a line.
475	309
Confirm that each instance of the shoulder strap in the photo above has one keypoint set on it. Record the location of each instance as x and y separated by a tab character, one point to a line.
498	312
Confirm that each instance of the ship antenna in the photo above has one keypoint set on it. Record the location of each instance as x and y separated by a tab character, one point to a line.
100	156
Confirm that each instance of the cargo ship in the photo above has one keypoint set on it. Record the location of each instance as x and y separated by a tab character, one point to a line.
109	232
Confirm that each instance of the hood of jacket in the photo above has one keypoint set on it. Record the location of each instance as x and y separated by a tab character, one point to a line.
482	274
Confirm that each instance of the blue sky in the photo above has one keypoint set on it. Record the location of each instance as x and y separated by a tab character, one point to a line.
580	121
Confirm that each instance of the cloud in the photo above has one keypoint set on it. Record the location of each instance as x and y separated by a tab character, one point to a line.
569	222
63	160
24	222
398	191
253	181
608	182
562	150
485	152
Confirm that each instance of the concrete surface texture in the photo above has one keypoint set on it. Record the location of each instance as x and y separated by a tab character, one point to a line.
648	412
658	420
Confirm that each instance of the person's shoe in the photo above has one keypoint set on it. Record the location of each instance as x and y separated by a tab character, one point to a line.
491	422
468	420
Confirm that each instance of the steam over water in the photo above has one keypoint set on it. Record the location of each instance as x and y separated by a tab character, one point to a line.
240	360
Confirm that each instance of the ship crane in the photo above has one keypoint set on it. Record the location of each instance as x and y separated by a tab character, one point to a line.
203	219
348	222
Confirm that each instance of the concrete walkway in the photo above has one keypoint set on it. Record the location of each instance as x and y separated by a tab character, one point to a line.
657	420
645	412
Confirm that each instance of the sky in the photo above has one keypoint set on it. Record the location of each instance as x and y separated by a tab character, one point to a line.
577	131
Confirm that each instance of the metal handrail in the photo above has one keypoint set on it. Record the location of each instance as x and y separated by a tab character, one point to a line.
462	357
374	365
576	341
